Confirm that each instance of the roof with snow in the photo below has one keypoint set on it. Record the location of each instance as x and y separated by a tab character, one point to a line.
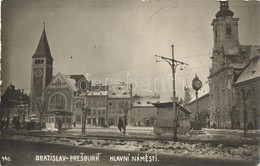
252	71
145	101
170	105
77	83
202	92
199	98
121	90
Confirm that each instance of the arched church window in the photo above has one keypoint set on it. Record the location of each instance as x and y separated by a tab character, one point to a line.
57	102
228	29
78	104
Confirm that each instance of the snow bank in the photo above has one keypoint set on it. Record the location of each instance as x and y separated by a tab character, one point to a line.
205	150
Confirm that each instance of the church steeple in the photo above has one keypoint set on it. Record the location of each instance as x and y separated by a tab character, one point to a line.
225	28
43	48
42	66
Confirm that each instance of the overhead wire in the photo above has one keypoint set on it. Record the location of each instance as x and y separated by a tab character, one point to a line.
134	67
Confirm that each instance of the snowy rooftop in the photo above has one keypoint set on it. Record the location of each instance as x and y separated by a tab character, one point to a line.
202	92
170	105
250	72
121	90
145	101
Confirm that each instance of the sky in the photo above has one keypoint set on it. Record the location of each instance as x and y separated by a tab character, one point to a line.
116	40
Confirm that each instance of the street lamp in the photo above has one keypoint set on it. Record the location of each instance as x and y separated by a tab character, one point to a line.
173	63
196	85
85	111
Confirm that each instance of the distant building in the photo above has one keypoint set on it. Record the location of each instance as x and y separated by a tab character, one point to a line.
247	87
203	105
63	100
119	100
14	107
97	102
143	112
165	116
229	60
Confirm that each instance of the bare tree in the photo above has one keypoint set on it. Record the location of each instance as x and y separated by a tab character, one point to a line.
40	107
244	94
125	106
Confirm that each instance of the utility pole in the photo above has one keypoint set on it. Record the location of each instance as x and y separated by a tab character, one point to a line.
173	63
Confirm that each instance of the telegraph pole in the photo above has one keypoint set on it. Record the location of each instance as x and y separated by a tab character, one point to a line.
173	63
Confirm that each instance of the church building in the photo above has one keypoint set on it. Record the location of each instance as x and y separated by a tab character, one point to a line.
57	97
229	60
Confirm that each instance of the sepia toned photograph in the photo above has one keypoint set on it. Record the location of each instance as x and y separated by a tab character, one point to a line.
130	82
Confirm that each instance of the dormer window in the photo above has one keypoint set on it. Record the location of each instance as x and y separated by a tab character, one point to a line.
139	102
148	102
228	29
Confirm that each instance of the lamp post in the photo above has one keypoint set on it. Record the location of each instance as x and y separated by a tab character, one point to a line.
173	63
85	111
196	85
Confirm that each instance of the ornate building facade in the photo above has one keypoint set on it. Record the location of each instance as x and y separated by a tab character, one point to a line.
229	59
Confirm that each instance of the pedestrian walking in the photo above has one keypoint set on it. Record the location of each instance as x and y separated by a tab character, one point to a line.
59	125
120	124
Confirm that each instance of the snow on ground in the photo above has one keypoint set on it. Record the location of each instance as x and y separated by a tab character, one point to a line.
206	150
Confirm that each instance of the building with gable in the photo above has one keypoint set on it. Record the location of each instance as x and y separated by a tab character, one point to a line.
229	60
57	97
119	102
143	112
96	100
247	87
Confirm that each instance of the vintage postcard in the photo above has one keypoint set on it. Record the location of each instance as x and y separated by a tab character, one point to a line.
130	82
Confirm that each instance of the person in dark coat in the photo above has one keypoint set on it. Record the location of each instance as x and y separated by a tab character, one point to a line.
120	124
59	125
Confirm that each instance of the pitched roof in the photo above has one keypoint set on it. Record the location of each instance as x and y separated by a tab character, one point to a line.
80	82
119	91
252	71
43	48
73	81
145	101
170	105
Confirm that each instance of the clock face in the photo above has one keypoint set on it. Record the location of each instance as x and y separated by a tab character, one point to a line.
197	84
38	72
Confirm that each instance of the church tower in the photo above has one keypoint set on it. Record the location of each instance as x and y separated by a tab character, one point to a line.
227	60
42	67
225	34
225	27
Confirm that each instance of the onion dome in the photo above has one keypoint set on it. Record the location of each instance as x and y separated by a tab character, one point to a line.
224	11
